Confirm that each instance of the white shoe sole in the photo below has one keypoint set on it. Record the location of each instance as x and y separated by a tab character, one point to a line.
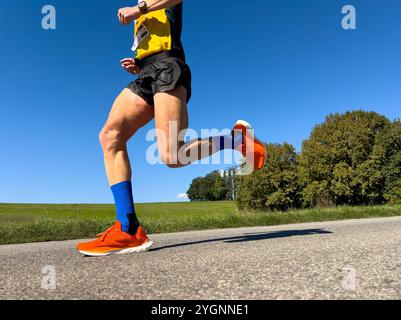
247	167
244	123
142	248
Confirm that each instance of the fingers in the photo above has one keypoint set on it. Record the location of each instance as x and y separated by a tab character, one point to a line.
127	20
128	64
124	17
133	70
125	60
121	17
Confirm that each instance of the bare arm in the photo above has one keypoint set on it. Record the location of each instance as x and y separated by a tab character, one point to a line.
129	14
154	5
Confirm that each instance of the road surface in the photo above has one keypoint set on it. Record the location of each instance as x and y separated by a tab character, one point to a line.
330	260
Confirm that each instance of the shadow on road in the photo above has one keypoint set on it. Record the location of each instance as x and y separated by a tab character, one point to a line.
250	237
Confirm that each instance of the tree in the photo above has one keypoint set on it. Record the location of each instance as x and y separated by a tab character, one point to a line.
350	159
388	149
212	187
229	177
194	192
339	163
276	186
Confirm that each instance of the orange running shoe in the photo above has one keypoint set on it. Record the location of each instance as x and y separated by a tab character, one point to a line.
116	241
252	149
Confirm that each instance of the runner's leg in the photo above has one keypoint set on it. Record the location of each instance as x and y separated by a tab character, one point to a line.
171	117
129	113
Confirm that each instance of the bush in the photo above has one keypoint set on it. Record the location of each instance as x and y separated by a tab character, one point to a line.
339	163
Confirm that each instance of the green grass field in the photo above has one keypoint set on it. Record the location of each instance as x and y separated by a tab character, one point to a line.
32	223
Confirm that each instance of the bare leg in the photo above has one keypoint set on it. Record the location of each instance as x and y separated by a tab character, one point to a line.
170	108
128	115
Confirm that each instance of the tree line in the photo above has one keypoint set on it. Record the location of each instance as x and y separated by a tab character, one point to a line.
216	186
350	159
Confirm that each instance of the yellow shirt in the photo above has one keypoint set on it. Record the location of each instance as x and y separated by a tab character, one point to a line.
159	31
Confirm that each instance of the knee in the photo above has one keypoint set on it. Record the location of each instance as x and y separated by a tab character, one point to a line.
111	138
172	154
170	161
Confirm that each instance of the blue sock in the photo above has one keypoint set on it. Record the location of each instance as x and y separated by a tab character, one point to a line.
124	201
231	141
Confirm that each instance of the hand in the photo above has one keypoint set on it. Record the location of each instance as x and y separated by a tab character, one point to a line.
128	14
129	65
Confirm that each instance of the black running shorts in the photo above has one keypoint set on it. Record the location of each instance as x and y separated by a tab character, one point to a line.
163	75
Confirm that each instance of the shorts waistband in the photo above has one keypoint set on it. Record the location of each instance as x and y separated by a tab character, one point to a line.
155	57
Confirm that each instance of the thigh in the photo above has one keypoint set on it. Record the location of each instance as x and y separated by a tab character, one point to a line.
129	113
171	116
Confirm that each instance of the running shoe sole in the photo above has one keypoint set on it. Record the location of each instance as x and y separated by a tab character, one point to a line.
248	168
142	248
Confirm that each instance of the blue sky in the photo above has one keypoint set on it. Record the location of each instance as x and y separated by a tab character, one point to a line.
283	65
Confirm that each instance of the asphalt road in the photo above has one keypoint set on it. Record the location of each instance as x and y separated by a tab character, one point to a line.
331	260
